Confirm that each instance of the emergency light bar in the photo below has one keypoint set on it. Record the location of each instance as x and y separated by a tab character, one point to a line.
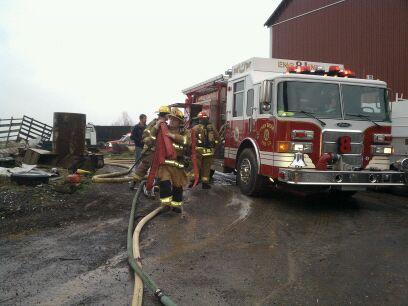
299	69
346	73
334	71
319	71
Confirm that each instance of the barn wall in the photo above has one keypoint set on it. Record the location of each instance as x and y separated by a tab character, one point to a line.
368	36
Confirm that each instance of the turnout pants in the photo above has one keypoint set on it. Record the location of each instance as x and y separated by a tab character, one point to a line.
172	180
204	164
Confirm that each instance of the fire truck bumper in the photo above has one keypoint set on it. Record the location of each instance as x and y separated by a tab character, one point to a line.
343	178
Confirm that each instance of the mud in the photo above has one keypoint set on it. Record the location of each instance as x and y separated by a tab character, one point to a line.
228	249
282	249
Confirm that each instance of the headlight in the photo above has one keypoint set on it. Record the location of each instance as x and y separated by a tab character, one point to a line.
293	147
304	147
382	150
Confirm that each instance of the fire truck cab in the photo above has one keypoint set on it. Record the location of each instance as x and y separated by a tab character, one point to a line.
310	125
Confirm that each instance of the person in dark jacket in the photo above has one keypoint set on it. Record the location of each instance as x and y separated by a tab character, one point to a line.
137	135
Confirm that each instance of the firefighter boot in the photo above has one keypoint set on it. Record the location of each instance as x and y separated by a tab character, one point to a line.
177	201
165	193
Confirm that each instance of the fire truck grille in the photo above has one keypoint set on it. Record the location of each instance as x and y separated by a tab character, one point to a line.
330	145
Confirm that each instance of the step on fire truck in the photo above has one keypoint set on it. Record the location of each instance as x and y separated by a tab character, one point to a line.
305	125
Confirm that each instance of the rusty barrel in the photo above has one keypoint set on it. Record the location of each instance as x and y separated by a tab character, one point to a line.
69	134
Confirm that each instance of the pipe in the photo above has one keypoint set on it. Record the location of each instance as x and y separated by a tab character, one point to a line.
164	299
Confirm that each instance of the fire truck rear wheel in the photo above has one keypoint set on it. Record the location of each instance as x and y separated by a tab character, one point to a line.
248	179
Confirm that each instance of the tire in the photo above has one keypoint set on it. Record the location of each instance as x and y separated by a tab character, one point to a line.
248	180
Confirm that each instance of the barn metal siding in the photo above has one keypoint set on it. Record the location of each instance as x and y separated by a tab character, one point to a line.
368	36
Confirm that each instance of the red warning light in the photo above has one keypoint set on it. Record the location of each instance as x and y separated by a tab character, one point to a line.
291	69
304	69
347	73
333	70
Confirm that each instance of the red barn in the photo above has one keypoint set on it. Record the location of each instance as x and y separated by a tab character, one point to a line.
368	36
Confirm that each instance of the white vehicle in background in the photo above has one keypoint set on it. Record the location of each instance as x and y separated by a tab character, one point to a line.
399	129
90	136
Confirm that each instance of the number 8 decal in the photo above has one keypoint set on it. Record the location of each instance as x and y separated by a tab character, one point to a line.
345	144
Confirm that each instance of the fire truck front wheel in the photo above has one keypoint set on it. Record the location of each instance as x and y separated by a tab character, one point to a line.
248	179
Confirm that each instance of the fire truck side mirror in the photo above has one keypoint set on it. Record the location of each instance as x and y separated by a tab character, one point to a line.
266	95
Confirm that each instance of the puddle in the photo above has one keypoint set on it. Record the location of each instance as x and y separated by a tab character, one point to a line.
225	179
244	205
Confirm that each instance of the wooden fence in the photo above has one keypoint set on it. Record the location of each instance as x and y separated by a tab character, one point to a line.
26	128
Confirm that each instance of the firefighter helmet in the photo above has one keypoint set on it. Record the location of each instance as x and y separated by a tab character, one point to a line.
176	113
164	110
202	115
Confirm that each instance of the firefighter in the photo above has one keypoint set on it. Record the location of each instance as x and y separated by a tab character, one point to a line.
171	173
149	140
207	140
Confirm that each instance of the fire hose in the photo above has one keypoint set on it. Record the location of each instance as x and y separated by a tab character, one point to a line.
134	256
115	177
133	237
138	288
162	150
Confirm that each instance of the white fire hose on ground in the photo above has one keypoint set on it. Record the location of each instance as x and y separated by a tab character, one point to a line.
138	289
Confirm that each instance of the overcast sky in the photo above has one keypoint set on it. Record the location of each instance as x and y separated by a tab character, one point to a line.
104	57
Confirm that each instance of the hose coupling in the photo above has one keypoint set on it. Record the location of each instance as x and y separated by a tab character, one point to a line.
158	293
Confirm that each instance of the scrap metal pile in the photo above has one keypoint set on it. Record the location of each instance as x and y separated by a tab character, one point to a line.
27	156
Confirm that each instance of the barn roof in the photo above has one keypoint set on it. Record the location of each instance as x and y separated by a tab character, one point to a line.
271	20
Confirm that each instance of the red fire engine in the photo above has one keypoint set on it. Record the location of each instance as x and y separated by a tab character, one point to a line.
305	124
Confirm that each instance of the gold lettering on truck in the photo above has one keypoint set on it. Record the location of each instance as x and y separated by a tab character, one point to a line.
282	64
265	133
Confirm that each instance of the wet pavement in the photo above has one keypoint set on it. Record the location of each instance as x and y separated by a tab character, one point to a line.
228	249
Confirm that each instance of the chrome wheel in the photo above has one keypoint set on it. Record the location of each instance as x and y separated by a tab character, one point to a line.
245	171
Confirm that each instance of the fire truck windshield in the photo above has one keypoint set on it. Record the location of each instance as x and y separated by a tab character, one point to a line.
365	102
320	99
296	98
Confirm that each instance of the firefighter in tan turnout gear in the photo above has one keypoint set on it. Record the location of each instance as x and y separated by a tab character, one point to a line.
149	140
207	140
171	173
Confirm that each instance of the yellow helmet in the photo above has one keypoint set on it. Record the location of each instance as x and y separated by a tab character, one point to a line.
176	113
164	109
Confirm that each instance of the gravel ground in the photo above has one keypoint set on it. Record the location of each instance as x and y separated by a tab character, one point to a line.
228	249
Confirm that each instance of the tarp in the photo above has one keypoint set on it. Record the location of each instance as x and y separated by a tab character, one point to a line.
20	170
